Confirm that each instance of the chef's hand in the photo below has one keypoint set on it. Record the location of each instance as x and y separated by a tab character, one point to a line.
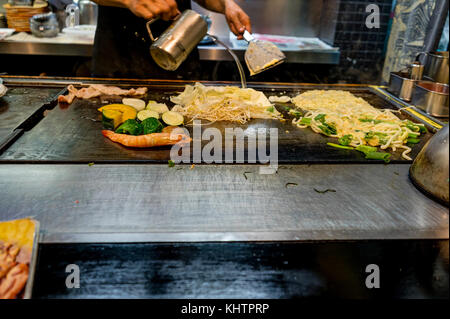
237	19
149	9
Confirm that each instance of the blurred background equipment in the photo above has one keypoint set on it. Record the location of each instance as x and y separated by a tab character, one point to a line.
18	17
44	25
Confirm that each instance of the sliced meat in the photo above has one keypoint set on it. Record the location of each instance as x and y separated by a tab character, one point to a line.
95	90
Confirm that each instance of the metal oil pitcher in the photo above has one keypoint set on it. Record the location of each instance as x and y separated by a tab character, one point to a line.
429	171
173	46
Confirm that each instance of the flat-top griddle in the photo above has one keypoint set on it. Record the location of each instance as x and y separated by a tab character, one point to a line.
72	133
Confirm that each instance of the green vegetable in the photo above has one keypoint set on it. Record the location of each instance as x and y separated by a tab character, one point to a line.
413	127
327	129
413	135
297	114
346	139
379	156
305	121
270	109
422	128
340	146
413	140
172	118
151	125
171	163
371	121
131	127
366	149
369	135
320	118
145	114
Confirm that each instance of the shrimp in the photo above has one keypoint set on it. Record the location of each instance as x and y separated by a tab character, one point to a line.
148	140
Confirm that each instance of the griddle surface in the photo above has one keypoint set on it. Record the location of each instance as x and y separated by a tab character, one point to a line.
73	134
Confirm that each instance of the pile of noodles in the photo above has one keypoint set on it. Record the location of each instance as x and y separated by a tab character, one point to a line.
349	115
223	103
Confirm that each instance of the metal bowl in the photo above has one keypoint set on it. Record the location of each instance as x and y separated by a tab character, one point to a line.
429	171
44	25
431	97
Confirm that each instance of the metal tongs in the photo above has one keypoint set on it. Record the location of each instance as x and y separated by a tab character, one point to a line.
261	55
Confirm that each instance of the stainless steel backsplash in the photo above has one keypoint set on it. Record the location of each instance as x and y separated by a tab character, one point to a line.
302	18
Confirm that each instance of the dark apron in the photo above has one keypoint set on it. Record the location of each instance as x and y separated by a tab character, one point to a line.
122	43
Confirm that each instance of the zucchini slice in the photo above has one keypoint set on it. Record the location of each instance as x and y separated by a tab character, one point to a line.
172	118
138	104
145	114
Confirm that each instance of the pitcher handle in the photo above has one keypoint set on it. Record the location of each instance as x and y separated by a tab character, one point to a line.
419	55
148	28
154	20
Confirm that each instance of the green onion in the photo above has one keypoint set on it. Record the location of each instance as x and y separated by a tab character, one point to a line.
340	146
413	135
413	140
320	118
366	149
327	129
296	114
270	109
379	156
371	121
346	139
422	128
305	121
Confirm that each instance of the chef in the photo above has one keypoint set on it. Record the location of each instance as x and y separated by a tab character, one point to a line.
121	48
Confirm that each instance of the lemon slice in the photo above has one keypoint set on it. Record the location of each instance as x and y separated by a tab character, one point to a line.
172	118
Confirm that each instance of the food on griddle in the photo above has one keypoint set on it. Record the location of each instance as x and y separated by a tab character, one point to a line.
148	140
151	125
128	127
160	108
109	119
16	243
172	118
224	103
131	127
279	99
145	114
95	90
138	104
355	122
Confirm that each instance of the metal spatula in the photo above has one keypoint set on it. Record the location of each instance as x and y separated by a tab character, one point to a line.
261	55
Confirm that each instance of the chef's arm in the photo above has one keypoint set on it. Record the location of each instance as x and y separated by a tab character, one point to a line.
147	9
237	19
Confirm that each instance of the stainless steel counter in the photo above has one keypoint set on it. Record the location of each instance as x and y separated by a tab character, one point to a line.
207	52
37	48
139	203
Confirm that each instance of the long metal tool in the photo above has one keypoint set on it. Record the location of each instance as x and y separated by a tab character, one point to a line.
261	55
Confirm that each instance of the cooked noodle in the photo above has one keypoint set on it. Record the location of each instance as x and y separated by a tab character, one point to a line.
341	114
224	103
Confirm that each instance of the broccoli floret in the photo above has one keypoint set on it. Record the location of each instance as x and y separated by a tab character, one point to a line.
131	127
151	125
